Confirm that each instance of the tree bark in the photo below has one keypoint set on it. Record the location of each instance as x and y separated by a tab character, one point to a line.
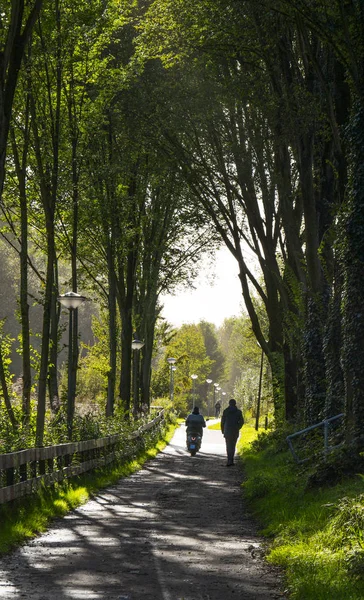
10	62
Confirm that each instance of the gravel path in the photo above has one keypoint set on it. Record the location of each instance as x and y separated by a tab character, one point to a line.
176	530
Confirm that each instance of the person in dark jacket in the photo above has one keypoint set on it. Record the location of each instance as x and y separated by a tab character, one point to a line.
195	422
231	422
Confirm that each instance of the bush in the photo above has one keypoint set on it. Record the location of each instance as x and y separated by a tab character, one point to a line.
335	467
258	486
349	519
354	560
275	440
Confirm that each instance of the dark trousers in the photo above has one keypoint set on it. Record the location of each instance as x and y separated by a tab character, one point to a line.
230	448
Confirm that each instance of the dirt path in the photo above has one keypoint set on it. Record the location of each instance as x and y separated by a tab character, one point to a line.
176	530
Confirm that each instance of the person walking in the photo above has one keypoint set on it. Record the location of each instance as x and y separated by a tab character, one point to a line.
231	422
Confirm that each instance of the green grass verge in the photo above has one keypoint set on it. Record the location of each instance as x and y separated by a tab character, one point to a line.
317	535
27	517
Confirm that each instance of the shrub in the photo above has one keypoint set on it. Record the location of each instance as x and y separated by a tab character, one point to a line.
258	486
349	519
335	467
354	560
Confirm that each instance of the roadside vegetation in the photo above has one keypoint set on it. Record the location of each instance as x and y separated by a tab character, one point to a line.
25	518
312	516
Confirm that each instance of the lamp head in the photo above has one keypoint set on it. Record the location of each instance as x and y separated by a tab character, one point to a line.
71	300
137	344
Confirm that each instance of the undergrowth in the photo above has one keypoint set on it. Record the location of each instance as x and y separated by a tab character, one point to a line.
315	523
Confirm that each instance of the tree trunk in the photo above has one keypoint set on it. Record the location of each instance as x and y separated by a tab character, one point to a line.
11	56
48	172
111	377
53	351
20	166
126	302
353	321
126	360
5	393
335	397
44	359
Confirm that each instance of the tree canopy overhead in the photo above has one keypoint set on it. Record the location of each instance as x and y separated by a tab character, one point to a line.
138	136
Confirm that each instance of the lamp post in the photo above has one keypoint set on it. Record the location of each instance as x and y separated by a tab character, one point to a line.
193	377
216	385
172	368
208	381
223	394
136	345
71	301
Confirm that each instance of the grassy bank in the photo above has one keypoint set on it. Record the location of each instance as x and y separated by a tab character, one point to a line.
25	518
316	532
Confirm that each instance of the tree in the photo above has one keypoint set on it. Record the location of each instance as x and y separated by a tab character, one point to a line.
189	349
17	22
261	149
213	350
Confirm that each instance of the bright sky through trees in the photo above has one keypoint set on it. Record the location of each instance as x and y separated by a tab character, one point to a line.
216	297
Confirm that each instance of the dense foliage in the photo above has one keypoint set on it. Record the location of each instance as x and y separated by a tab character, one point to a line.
134	138
312	515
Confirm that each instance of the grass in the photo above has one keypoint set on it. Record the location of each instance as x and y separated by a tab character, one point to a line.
27	517
316	535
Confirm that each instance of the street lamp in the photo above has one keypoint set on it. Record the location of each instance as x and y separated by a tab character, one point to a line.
223	394
71	301
208	381
171	362
216	385
136	346
193	377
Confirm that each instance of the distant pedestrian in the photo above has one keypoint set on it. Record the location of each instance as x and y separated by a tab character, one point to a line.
231	422
217	409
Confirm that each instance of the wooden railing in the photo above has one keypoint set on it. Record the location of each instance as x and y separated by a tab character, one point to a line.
25	471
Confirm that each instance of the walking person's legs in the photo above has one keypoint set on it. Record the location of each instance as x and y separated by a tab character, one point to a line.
230	450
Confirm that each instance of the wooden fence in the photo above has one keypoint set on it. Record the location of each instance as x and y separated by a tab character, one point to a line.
24	472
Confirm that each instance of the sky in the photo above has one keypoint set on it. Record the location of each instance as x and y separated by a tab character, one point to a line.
209	302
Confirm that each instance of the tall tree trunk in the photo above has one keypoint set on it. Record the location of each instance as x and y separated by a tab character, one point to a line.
53	350
126	302
5	392
111	377
20	166
126	359
48	171
44	359
75	342
109	226
335	397
353	321
11	55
